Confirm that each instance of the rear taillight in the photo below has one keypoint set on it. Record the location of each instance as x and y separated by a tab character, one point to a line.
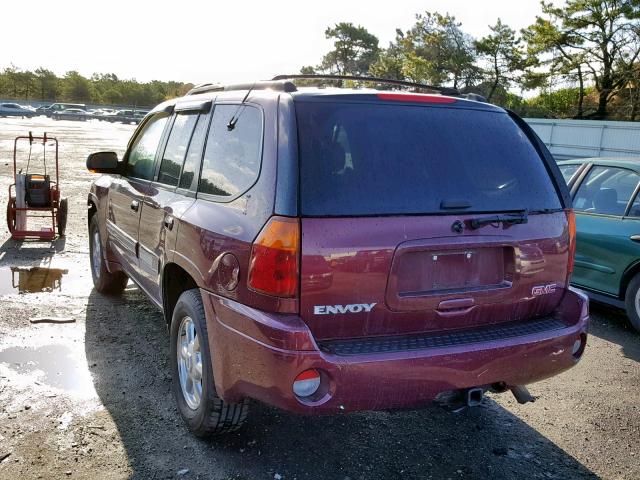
275	253
571	218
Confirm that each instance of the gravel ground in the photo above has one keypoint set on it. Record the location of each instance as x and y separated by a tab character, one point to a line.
91	399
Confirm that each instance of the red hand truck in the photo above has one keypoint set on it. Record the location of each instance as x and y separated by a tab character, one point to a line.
35	195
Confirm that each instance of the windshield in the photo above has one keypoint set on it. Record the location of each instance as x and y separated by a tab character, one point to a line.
382	159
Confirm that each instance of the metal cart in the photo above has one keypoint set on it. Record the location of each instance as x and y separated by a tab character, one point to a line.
36	195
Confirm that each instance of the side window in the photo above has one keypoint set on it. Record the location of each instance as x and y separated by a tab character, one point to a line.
176	148
606	190
194	154
232	157
635	207
143	150
568	171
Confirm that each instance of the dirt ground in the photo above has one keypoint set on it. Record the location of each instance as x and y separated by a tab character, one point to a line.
91	399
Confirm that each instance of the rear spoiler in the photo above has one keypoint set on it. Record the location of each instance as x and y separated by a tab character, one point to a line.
549	161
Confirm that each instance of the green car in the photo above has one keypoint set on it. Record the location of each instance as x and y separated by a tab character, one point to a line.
607	205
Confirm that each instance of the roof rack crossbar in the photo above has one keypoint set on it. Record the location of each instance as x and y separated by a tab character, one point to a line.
433	88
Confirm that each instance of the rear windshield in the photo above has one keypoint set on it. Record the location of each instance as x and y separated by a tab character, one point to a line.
382	159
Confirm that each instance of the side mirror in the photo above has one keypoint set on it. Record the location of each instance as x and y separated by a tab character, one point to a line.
103	162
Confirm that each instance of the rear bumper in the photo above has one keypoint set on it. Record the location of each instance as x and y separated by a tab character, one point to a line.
258	355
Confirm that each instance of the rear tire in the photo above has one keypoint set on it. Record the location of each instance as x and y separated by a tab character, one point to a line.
103	280
204	412
11	214
61	216
632	301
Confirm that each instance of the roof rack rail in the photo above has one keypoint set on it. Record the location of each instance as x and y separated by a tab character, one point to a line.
279	83
204	87
403	83
259	85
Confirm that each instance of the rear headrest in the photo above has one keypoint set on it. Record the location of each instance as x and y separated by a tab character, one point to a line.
606	201
334	156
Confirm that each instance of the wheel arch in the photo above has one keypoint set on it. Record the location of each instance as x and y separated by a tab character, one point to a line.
175	281
631	271
92	208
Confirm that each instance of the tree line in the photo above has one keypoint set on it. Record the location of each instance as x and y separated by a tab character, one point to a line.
579	60
44	85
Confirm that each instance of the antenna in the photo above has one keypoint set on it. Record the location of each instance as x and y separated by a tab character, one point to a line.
234	119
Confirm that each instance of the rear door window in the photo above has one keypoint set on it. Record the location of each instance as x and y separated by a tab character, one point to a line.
176	149
383	159
568	171
232	156
142	154
606	190
635	208
194	155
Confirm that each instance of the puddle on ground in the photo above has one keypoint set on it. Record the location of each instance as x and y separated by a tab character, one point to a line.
56	366
39	279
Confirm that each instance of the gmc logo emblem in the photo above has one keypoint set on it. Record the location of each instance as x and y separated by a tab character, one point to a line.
543	289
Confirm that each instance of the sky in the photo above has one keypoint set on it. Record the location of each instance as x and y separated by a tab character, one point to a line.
212	41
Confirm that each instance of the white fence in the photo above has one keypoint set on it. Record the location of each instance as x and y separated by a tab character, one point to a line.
588	138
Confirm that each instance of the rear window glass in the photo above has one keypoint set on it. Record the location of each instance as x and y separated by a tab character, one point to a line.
232	156
381	159
194	154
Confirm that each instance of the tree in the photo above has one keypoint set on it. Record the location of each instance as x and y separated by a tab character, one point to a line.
354	50
559	103
77	88
46	84
546	36
390	63
26	80
12	77
504	56
437	51
606	36
633	92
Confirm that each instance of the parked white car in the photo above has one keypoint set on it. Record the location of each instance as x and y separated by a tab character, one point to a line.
16	110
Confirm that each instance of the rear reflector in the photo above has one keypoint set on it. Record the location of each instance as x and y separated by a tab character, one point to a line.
307	383
579	345
415	98
273	268
576	347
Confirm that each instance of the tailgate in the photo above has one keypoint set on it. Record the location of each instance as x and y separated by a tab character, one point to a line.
401	275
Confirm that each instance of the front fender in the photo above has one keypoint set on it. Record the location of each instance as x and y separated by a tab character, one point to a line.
98	204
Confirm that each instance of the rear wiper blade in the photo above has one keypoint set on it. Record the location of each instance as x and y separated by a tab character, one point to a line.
507	220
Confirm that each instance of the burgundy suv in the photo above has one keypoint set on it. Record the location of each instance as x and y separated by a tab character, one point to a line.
330	250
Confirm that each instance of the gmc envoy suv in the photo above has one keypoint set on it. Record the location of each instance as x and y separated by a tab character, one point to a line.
327	250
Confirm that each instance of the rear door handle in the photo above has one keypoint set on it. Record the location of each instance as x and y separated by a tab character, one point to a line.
168	222
135	205
635	238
